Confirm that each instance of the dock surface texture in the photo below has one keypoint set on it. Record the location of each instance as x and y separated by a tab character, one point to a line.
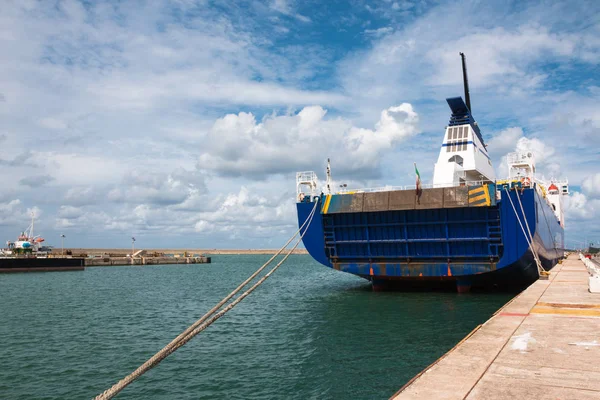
543	344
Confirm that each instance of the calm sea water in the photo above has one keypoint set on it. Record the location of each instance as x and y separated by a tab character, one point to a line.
307	333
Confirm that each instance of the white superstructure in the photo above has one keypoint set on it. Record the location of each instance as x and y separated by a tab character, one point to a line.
521	167
463	158
555	192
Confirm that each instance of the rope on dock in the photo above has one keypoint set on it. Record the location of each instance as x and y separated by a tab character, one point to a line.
205	322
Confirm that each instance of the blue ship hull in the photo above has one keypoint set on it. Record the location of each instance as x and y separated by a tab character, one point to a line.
436	247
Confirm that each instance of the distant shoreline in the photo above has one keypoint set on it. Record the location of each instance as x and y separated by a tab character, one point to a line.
93	251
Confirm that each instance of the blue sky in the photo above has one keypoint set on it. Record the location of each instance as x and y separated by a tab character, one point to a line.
183	122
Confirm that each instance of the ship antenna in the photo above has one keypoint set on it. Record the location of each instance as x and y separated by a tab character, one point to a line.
466	82
328	177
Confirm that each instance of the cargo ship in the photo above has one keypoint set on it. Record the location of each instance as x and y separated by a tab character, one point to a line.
28	254
466	230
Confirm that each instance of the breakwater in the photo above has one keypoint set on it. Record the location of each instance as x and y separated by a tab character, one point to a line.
123	252
115	257
143	260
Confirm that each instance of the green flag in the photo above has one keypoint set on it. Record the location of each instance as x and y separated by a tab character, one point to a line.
418	183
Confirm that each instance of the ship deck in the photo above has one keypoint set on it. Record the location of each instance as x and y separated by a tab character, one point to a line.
544	344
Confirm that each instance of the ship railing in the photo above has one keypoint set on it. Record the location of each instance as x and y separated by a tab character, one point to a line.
411	187
512	158
520	158
307	184
306	176
370	190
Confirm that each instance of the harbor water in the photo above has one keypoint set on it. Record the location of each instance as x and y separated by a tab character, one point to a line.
307	333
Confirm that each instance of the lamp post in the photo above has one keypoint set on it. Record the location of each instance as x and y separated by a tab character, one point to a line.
62	244
132	246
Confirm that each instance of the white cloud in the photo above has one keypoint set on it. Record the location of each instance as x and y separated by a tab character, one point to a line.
379	32
504	141
53	123
25	158
581	208
282	6
10	206
64	223
35	211
576	206
249	213
70	212
81	169
503	59
105	103
543	154
186	86
82	195
238	145
15	214
287	7
160	189
498	53
35	181
541	151
591	185
93	62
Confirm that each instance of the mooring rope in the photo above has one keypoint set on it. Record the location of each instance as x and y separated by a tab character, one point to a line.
525	218
529	242
541	269
205	322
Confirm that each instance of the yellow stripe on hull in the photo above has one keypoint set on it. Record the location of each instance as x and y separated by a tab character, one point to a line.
487	195
326	205
482	196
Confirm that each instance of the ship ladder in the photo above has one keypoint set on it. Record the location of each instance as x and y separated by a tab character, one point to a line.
540	269
208	318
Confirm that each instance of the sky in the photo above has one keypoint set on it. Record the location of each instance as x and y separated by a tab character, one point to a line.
183	123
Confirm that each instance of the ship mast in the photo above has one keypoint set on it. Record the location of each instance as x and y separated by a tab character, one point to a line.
466	82
31	231
328	182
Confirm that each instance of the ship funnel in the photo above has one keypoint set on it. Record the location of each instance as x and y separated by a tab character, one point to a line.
466	82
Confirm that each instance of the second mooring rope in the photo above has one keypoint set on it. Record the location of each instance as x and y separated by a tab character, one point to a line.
540	269
205	322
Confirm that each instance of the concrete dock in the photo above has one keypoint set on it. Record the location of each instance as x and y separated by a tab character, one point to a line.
544	344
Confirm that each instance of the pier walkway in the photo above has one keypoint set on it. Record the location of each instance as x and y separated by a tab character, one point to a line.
544	344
